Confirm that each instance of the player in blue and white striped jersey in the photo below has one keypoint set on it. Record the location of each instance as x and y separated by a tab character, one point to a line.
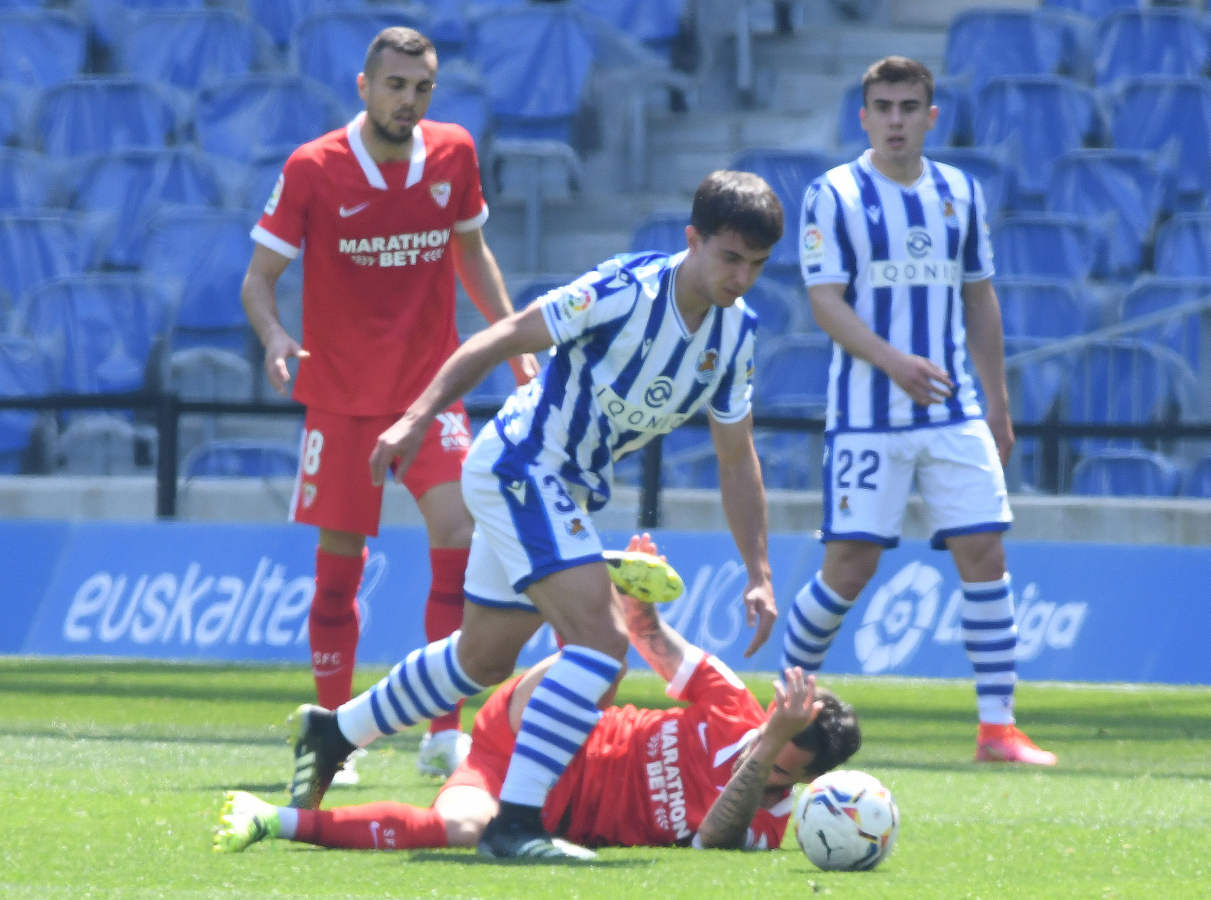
640	343
896	256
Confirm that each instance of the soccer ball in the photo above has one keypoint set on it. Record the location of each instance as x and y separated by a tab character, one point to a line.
846	819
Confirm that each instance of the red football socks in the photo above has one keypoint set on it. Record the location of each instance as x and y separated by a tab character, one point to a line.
372	826
333	625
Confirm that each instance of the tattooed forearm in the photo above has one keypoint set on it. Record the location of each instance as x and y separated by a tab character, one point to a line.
729	817
658	644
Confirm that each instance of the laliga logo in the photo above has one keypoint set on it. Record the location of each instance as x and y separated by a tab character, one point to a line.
897	618
904	610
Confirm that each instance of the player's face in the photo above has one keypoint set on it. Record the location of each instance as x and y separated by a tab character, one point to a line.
397	93
724	264
896	117
792	765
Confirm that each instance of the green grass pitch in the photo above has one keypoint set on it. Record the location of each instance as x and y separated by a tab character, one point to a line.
112	775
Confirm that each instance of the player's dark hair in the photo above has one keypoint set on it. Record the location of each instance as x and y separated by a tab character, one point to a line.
400	39
897	69
833	736
739	201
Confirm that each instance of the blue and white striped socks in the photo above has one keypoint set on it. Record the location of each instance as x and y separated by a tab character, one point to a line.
815	618
990	635
426	684
556	722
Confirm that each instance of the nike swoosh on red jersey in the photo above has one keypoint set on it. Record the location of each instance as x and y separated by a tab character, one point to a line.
352	210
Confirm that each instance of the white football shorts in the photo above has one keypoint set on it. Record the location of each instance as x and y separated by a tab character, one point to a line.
868	476
529	523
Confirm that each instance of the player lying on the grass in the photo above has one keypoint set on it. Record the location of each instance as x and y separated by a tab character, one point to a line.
715	773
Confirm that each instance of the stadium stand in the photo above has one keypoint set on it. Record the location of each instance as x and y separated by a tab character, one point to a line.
99	114
102	444
40	48
781	309
1157	113
1181	333
1038	118
103	332
984	44
1046	245
1043	308
1126	473
1183	246
241	458
27	180
203	255
463	99
15	102
1197	481
194	49
126	188
209	373
279	17
792	375
246	118
662	232
24	371
1150	41
1123	190
40	245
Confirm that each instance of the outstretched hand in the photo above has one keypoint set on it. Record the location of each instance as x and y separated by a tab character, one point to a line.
794	705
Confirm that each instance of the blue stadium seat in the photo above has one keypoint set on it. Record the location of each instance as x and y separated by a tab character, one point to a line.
656	23
127	187
248	117
790	460
1182	333
36	247
110	19
1160	113
1183	246
688	458
40	48
983	44
1045	245
988	166
493	390
1153	41
15	104
204	255
662	232
1093	9
99	444
242	458
1124	190
461	97
330	46
1126	381
788	172
1042	308
532	290
24	372
1126	473
100	114
102	332
260	177
1037	119
1035	389
27	180
953	125
279	17
193	49
780	308
792	375
1197	482
535	62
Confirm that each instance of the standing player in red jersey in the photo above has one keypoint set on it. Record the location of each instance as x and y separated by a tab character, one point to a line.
383	211
714	773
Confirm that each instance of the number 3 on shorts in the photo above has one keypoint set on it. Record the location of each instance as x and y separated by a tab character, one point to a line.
312	445
867	464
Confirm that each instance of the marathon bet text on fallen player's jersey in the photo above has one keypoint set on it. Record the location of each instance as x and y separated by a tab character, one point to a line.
903	254
648	777
625	369
378	277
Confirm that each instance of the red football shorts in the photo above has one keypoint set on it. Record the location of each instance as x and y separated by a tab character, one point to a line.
491	745
333	487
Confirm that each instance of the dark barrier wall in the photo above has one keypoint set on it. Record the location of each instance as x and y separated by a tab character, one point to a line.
189	591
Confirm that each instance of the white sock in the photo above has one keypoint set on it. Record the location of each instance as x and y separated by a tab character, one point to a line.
289	819
990	636
815	619
428	682
556	722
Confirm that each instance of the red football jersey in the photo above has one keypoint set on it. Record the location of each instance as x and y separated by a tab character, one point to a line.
648	777
378	275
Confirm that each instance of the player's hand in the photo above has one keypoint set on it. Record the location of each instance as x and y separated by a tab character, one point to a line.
279	349
921	379
525	368
399	444
760	613
794	705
